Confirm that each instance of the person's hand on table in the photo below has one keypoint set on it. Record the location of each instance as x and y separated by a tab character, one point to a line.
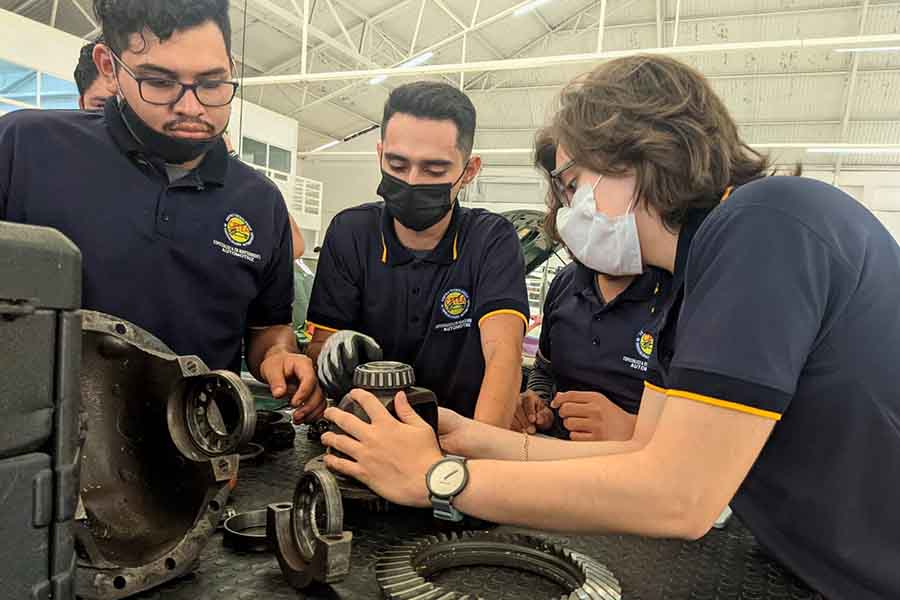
286	373
591	416
532	414
388	455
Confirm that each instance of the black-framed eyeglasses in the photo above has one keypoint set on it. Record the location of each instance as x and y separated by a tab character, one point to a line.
563	193
159	91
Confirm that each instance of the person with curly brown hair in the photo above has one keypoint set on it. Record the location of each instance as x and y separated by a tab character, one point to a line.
772	382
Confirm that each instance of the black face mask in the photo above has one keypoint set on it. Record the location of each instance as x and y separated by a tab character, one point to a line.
417	207
173	150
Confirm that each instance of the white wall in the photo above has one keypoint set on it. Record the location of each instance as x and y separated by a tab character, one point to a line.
32	44
262	125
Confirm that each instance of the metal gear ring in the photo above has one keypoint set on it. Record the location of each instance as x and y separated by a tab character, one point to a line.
402	571
307	535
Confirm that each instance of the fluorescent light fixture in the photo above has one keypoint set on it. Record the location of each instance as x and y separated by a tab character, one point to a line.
875	49
527	8
413	62
851	150
330	144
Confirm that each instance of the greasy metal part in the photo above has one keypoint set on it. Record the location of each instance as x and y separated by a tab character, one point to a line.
354	493
251	453
211	415
274	430
316	430
156	473
308	535
246	532
402	571
227	513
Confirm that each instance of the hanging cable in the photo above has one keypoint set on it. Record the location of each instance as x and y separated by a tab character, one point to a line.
239	143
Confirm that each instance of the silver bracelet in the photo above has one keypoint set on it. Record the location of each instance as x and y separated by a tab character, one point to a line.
526	445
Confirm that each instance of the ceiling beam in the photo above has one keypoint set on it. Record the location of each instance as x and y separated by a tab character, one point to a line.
23	6
851	90
85	14
447	40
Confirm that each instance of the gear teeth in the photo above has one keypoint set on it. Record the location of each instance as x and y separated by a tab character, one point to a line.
400	580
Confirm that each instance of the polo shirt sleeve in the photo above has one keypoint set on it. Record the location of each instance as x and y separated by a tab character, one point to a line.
273	305
500	281
756	293
335	302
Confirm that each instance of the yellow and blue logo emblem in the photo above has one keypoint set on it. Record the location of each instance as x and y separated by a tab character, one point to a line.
455	304
645	343
238	230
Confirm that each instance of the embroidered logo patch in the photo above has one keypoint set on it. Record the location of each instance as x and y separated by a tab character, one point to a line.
455	304
238	230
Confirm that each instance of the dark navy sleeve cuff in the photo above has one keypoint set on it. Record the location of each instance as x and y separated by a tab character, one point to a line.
727	392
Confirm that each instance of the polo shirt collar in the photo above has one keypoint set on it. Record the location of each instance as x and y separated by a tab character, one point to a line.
447	251
644	287
695	218
212	170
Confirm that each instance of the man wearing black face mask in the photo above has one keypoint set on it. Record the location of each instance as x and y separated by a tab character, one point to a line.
176	236
419	279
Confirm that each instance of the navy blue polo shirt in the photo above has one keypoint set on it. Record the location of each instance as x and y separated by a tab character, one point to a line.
422	311
789	309
597	346
195	262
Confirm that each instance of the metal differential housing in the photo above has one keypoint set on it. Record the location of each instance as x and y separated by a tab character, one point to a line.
402	571
158	459
308	535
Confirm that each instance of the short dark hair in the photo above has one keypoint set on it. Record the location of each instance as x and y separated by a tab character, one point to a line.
86	72
435	101
122	18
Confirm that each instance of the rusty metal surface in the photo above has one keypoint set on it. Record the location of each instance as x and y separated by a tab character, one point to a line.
726	564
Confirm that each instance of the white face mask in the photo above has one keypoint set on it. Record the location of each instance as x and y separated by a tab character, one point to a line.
606	245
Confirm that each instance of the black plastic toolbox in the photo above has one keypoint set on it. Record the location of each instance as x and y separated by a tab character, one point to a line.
40	358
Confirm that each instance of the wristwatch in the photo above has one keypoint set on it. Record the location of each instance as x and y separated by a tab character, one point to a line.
446	479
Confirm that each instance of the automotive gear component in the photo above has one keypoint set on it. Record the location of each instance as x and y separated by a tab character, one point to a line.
274	430
308	535
158	460
402	571
246	532
384	379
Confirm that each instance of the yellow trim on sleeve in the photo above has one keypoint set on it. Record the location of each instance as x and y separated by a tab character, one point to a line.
456	246
655	388
322	327
383	250
768	414
727	193
505	311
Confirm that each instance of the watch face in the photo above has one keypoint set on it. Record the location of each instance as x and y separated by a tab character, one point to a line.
447	478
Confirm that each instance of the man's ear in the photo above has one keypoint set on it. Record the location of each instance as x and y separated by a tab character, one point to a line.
473	168
105	64
379	150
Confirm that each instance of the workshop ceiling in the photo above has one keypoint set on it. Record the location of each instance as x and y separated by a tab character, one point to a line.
781	94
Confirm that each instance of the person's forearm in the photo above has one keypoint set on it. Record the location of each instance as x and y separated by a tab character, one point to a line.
500	387
262	342
487	442
625	493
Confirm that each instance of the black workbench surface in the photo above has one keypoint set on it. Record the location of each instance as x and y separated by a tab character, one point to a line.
726	564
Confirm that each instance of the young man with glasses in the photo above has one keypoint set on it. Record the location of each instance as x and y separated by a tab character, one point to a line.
176	236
